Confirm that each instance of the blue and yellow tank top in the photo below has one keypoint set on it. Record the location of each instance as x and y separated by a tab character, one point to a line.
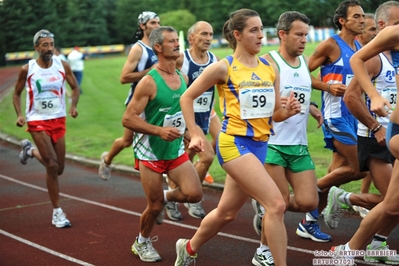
247	99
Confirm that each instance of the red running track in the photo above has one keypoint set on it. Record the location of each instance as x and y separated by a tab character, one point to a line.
105	221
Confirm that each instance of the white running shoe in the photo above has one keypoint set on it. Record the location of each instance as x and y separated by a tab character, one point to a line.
183	258
146	251
377	255
259	213
361	210
23	155
195	209
339	256
104	170
334	208
172	211
59	219
264	258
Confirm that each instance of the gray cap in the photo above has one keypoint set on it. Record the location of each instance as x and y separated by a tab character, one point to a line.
145	16
42	34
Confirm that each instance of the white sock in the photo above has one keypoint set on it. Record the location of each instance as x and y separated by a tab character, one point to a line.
309	218
262	248
344	198
165	198
142	239
347	248
55	210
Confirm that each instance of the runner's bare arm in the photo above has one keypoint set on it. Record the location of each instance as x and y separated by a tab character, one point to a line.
127	75
325	53
72	82
145	91
387	39
353	96
19	87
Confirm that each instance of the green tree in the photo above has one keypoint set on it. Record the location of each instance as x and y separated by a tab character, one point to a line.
178	19
61	8
22	19
87	23
128	12
110	18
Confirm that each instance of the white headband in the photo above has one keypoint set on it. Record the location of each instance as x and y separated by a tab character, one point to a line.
145	16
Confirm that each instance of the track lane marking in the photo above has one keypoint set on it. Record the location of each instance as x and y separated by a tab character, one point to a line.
165	221
42	248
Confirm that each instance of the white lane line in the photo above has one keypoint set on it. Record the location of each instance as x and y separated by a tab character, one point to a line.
165	221
52	252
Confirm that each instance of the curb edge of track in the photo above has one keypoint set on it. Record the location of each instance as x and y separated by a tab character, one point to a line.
95	163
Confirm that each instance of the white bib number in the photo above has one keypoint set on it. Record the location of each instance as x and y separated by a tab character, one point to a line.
176	121
257	102
390	93
301	93
203	102
47	105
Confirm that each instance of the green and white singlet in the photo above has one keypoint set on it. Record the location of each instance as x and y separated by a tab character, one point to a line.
292	131
164	111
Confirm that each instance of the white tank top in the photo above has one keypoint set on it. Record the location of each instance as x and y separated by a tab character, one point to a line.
45	87
292	131
385	84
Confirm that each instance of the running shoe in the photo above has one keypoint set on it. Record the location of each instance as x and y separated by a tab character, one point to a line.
59	219
265	258
334	208
311	230
209	178
361	210
23	155
195	209
183	258
104	170
146	251
259	212
172	211
338	251
384	248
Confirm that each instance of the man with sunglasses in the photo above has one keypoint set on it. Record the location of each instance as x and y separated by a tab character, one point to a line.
44	79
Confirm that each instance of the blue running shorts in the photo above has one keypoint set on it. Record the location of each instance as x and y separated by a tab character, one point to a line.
231	147
343	129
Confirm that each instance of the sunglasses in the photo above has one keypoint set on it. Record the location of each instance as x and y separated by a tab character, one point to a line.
44	35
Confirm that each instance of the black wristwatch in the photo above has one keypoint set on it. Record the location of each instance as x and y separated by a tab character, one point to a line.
314	104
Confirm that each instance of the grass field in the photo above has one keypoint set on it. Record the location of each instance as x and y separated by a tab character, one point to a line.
101	108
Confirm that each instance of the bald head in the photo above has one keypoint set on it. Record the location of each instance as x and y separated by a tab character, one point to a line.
200	35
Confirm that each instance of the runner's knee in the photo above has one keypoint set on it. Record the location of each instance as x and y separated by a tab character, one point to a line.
207	158
52	167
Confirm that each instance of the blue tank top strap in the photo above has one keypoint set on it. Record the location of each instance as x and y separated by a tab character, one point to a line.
395	59
358	45
229	59
264	61
186	54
